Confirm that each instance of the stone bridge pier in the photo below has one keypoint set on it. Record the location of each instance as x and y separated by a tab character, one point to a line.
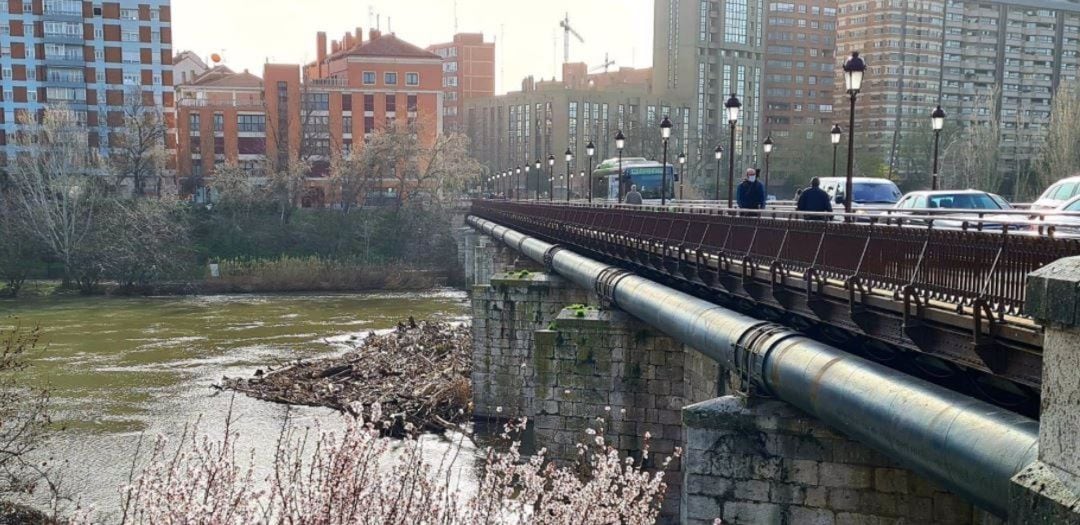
557	354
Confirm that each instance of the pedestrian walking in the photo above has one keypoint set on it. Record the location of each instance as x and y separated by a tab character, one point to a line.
814	199
751	192
633	197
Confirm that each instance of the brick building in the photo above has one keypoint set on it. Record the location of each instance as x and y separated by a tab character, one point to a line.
468	72
87	55
353	89
800	39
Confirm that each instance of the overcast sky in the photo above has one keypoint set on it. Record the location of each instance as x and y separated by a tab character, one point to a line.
247	33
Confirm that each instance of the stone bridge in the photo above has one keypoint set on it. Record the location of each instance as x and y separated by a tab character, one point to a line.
774	427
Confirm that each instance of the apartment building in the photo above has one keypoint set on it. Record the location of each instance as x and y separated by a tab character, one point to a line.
468	72
800	39
978	59
91	56
312	113
705	50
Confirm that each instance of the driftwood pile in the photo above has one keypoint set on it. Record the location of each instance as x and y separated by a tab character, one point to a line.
419	374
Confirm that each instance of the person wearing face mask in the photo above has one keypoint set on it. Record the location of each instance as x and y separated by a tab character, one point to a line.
751	192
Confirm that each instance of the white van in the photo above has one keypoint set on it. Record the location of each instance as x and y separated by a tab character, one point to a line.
1058	193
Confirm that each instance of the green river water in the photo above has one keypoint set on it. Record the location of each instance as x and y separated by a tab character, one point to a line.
118	369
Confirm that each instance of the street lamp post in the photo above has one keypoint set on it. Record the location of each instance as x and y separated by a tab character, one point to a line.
525	187
719	154
682	174
767	148
551	178
538	175
853	77
620	142
665	133
569	158
938	119
517	176
590	150
583	182
834	135
732	105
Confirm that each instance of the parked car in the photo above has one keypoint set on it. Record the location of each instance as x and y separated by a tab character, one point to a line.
1064	225
869	191
1057	194
972	206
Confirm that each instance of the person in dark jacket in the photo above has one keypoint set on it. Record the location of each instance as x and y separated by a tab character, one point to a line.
750	194
633	197
814	199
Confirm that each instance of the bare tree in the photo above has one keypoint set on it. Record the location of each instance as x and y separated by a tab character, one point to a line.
24	419
53	186
972	160
138	154
445	167
1061	152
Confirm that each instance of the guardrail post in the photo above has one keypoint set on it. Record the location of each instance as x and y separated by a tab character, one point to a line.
1048	490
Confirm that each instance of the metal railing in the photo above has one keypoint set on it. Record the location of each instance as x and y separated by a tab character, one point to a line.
983	270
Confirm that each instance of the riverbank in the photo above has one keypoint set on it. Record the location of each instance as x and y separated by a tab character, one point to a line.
418	374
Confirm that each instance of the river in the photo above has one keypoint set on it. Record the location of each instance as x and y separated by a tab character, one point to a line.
120	370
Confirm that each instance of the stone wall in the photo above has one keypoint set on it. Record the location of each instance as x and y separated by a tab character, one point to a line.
602	368
505	315
763	461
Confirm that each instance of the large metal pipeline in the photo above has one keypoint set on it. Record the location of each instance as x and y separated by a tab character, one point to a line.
970	447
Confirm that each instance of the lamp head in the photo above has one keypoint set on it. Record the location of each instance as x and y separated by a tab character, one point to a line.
854	67
733	107
718	152
767	145
620	140
682	159
569	155
665	128
835	133
590	149
938	118
551	160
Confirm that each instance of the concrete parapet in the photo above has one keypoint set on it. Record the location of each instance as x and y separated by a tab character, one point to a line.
755	461
1048	490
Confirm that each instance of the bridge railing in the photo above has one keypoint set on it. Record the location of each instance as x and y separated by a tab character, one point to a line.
985	270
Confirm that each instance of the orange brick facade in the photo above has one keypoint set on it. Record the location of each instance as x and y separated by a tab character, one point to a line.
468	71
354	89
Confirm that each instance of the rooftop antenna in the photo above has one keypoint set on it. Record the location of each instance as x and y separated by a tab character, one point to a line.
378	22
389	26
455	18
502	61
370	16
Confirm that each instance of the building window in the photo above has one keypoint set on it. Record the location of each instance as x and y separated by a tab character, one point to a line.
131	79
346	125
154	14
64	29
316	101
63	52
61	94
412	79
391	103
251	123
196	169
129	36
61	7
735	22
390	78
129	14
132	56
219	122
346	102
193	123
369	103
369	78
369	125
411	101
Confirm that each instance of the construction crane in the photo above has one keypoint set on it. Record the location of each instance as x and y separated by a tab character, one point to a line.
567	31
607	63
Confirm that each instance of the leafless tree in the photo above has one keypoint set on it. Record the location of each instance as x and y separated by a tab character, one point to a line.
972	160
24	418
1061	152
55	185
138	154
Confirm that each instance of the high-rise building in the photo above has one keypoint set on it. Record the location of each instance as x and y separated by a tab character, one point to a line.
979	59
312	113
468	72
548	117
800	40
706	50
90	56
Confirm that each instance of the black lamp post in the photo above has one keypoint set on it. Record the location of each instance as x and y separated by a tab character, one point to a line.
538	175
834	135
517	176
569	157
551	177
719	154
853	76
665	133
590	150
620	143
682	174
732	105
938	119
767	148
525	187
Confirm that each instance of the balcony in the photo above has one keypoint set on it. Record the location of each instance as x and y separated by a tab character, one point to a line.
329	82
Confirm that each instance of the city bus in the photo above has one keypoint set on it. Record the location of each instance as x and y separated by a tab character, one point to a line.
645	174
